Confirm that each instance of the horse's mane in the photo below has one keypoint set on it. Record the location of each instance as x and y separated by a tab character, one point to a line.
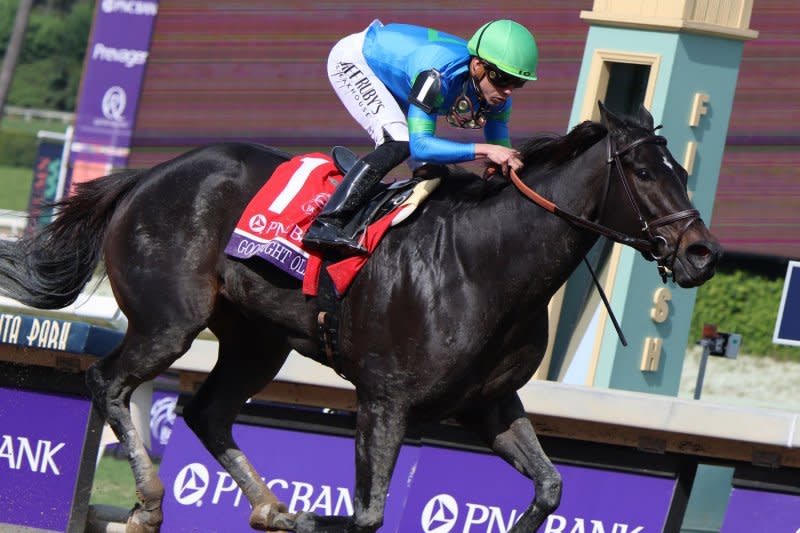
545	151
551	150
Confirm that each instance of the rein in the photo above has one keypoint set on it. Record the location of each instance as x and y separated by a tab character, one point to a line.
648	245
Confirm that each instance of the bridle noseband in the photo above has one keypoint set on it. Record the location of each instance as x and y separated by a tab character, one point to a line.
651	243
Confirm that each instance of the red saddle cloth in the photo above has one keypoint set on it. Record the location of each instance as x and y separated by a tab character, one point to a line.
274	222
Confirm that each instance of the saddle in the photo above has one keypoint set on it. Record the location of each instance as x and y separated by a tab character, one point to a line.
275	219
385	197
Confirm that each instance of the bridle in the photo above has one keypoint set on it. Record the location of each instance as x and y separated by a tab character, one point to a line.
650	243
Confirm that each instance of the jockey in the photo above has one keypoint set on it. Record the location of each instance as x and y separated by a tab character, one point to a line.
395	80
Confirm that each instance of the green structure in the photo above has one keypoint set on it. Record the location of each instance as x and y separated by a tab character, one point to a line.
681	60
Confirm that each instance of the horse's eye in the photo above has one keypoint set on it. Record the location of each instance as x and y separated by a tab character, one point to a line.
643	174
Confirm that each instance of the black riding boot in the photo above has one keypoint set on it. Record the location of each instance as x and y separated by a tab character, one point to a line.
326	232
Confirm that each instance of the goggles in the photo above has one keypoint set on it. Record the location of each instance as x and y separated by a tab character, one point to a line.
502	80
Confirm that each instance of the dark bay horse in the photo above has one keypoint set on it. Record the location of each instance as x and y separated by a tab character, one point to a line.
448	318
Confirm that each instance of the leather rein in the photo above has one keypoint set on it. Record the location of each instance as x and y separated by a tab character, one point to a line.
651	243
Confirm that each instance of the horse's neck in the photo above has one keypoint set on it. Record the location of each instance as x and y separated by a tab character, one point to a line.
548	246
579	187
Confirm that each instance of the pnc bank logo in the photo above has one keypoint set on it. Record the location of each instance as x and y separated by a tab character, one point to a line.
258	223
191	484
440	514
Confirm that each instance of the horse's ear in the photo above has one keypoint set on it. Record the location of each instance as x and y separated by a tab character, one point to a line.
645	118
609	119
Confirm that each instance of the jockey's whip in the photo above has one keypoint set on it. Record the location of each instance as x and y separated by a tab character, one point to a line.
605	302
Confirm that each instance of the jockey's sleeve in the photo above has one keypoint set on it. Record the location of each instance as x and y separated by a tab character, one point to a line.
425	146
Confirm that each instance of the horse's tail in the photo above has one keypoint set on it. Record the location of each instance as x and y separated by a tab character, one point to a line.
49	268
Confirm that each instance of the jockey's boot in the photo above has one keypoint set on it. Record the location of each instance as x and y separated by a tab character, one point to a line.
327	231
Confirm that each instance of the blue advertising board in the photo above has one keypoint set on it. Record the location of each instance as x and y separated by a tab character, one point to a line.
49	432
112	79
55	334
460	491
433	490
308	471
752	510
40	462
787	327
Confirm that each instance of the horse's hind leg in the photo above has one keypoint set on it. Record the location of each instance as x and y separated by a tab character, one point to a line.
249	357
505	425
112	380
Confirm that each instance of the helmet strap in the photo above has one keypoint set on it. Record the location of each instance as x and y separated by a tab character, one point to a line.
476	80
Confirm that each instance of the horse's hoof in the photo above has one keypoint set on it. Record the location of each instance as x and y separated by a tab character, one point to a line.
284	522
312	523
141	521
265	517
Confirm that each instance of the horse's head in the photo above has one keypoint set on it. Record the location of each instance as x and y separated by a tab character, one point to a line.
650	202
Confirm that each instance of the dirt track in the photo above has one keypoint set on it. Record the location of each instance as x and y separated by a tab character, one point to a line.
747	380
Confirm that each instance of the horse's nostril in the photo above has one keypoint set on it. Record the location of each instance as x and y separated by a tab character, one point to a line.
703	253
699	250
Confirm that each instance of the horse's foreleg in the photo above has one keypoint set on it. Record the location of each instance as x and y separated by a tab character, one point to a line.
511	434
247	362
380	428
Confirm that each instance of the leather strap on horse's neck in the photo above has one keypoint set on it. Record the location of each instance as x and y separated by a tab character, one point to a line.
614	235
643	245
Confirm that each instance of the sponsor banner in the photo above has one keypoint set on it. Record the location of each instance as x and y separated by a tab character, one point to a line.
112	78
46	333
467	492
162	420
276	218
308	471
787	326
39	462
59	335
44	189
433	490
280	252
754	510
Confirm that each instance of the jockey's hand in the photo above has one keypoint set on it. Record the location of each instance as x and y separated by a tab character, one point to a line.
504	157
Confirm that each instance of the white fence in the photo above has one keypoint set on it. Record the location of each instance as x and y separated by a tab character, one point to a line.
12	223
27	114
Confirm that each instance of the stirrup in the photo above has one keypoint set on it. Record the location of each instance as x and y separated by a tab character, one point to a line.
328	238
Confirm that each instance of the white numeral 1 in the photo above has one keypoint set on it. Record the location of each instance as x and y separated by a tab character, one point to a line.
296	183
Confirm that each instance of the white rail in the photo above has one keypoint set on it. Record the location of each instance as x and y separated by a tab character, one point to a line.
12	223
649	421
27	114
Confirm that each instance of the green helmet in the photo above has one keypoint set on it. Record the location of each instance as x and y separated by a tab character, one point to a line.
507	45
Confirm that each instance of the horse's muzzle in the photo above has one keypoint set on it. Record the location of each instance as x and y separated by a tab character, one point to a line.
697	262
